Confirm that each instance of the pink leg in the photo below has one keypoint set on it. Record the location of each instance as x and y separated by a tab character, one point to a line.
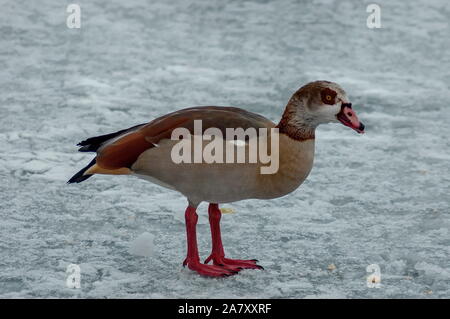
193	260
218	254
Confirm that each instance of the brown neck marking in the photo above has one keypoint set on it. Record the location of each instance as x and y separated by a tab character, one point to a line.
296	130
297	133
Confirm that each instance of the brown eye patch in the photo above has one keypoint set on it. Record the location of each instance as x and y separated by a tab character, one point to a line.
328	96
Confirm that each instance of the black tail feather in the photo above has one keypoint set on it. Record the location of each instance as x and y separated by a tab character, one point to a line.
93	143
79	177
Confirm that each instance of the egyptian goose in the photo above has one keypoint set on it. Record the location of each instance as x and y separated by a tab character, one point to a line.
146	151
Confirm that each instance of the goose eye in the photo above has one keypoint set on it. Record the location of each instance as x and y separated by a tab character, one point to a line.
328	96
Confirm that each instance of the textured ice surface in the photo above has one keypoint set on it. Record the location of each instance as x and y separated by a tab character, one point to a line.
143	245
380	198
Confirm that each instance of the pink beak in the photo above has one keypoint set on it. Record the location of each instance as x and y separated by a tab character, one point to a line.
348	117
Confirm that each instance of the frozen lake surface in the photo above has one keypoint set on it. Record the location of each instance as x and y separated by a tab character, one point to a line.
382	198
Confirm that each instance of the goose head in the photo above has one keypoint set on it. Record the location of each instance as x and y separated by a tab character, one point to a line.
318	103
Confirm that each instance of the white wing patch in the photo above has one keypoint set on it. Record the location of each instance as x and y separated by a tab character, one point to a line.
239	143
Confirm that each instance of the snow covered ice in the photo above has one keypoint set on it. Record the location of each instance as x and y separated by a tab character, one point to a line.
143	245
382	198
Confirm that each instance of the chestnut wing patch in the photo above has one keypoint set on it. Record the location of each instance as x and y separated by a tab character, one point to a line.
124	151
